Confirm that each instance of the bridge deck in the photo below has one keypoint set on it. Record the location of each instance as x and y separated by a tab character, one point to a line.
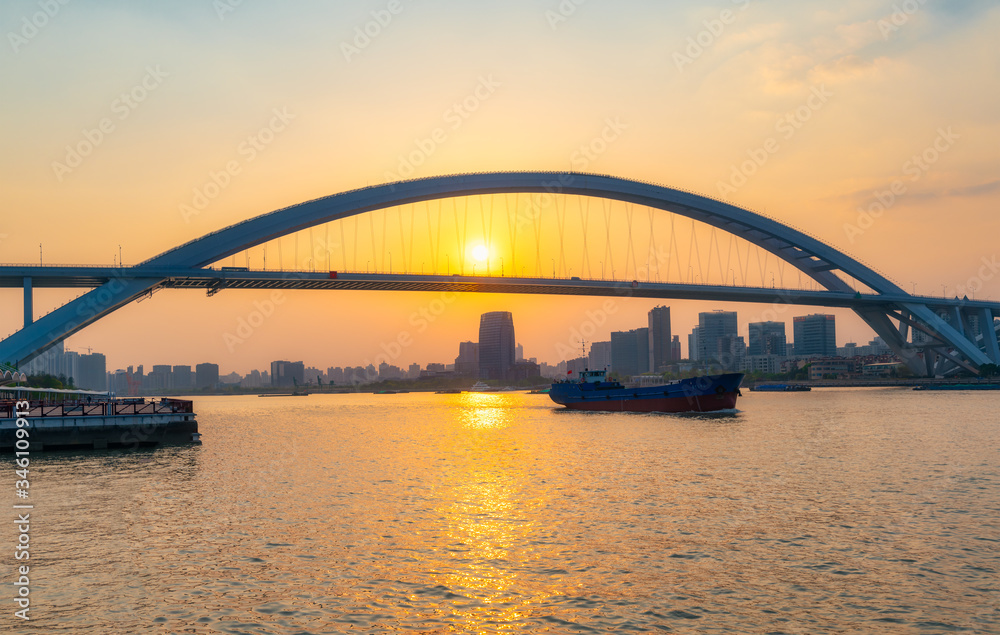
215	280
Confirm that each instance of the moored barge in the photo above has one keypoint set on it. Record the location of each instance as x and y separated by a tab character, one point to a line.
29	419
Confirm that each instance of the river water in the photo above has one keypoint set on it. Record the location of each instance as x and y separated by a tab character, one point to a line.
835	511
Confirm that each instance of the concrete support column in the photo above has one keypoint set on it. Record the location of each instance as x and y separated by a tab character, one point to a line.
989	335
29	309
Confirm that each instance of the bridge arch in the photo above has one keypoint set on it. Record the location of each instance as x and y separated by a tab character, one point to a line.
811	256
814	258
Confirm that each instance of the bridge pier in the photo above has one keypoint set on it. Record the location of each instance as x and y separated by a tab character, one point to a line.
29	309
989	334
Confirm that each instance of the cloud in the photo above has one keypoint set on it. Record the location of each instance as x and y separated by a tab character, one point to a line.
976	190
928	194
847	68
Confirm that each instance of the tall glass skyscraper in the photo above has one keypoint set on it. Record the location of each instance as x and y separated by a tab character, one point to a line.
630	352
659	339
496	345
767	338
715	329
815	334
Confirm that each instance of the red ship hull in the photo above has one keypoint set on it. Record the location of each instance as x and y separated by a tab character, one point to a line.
697	403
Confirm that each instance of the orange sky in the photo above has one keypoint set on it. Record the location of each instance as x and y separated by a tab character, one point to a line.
835	104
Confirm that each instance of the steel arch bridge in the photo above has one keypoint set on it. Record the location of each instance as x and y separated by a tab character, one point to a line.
955	334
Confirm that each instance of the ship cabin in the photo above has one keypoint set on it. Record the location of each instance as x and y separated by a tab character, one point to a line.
592	376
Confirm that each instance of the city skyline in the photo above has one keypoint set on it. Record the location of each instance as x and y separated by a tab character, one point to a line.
468	353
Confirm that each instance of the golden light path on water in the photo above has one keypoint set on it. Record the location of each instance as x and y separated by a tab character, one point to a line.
869	511
490	518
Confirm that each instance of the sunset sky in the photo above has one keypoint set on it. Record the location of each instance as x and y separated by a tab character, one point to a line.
829	104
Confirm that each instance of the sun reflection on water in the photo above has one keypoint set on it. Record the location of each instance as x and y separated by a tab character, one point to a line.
486	410
493	546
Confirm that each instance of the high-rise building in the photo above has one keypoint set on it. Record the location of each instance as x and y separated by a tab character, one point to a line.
920	337
630	352
675	348
71	367
183	378
815	334
525	370
290	373
252	380
335	375
93	372
693	347
496	344
732	351
712	328
519	353
160	378
767	338
49	361
206	375
118	382
659	339
467	362
600	356
575	366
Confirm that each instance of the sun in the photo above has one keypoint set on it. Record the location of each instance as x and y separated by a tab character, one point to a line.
480	253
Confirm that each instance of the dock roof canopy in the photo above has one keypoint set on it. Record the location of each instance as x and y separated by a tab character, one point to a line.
53	391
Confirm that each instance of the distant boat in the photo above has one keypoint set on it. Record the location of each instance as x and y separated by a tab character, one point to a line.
480	386
454	391
780	388
539	391
708	393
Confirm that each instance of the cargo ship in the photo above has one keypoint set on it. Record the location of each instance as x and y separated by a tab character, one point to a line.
780	388
593	391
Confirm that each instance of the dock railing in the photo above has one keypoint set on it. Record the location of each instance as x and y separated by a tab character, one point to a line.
103	408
